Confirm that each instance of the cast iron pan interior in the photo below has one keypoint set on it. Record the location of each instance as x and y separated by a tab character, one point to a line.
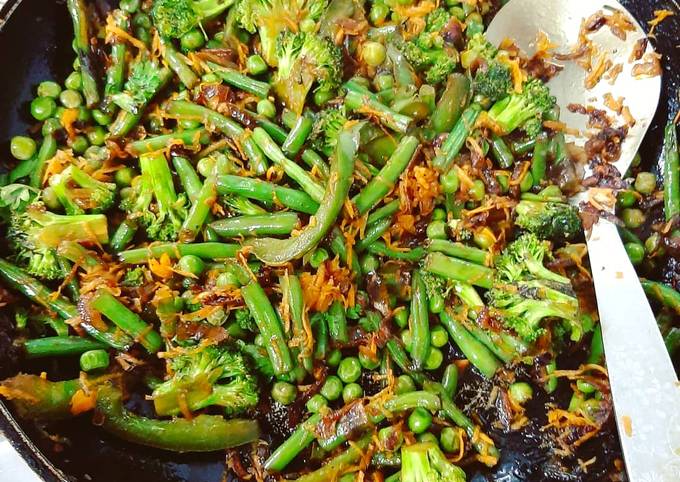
35	44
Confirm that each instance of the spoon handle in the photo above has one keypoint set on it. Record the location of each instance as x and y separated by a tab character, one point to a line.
645	389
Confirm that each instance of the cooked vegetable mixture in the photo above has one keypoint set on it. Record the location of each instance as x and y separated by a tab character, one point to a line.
331	238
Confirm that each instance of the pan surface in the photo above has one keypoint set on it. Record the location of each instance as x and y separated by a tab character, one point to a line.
35	44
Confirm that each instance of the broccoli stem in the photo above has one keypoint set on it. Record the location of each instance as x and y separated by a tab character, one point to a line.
188	137
671	172
240	81
385	180
177	64
298	135
373	233
81	44
60	346
383	212
266	192
204	433
456	139
212	251
115	71
478	354
539	159
419	322
293	170
301	438
125	233
451	103
256	225
459	270
360	99
379	248
337	323
126	320
187	110
199	211
314	160
460	250
501	152
269	326
662	293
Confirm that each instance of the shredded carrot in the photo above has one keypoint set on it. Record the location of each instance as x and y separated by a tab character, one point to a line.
659	16
82	402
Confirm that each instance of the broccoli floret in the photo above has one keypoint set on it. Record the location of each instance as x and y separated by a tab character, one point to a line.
429	51
271	17
144	81
245	320
78	192
548	220
206	376
425	462
523	260
163	218
174	18
134	277
305	59
493	81
524	109
35	234
477	50
16	198
327	126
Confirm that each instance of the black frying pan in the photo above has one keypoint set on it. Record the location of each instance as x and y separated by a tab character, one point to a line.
35	44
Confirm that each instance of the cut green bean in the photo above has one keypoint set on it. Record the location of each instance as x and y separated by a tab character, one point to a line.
212	251
298	135
278	223
419	322
267	192
459	270
478	354
60	346
671	172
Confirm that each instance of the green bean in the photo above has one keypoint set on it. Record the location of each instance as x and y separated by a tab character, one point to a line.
187	177
337	323
501	152
364	100
459	270
672	340
47	150
539	159
451	103
523	146
450	379
208	250
300	439
456	138
115	72
339	464
372	233
339	248
459	250
36	398
314	160
266	192
269	325
671	172
384	182
420	323
320	337
178	64
413	255
199	211
662	293
81	27
60	346
298	135
240	81
478	354
291	290
383	212
256	225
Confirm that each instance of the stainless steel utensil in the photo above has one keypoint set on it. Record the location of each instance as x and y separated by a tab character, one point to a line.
644	386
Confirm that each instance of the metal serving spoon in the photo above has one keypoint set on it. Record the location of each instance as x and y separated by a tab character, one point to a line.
644	386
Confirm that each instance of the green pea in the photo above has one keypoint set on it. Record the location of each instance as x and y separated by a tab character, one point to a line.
141	19
626	199
79	144
520	392
383	82
404	384
390	438
420	420
652	243
84	114
527	182
401	317
48	88
96	155
316	403
334	358
367	362
439	214
130	6
70	99
205	166
189	124
191	264
43	107
101	117
349	369
645	182
123	177
436	230
407	339
373	53
256	65
585	387
210	78
307	25
213	44
266	108
332	388
284	392
477	190
449	439
636	252
351	392
94	360
321	96
436	303
192	40
484	238
97	136
439	337
318	257
434	359
369	263
633	218
22	147
143	35
226	279
449	182
428	438
49	197
74	81
378	13
591	407
504	182
50	126
457	12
